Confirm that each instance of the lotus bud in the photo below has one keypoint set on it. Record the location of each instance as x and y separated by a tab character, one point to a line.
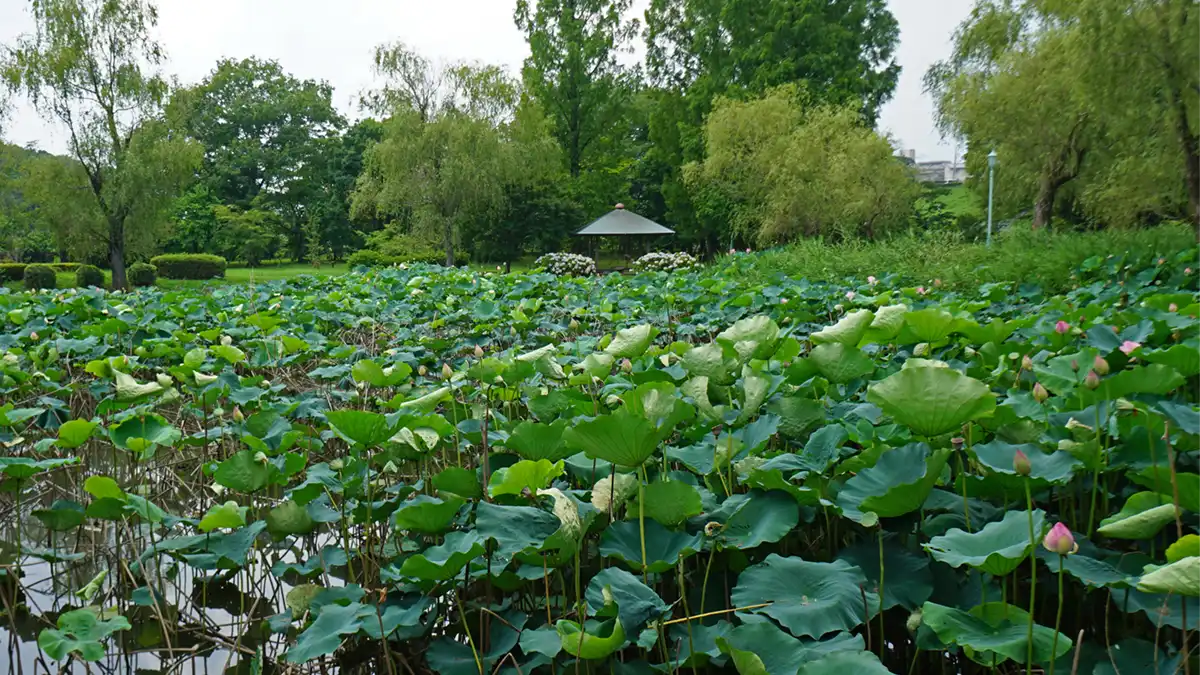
1062	327
937	282
261	457
1129	346
920	290
969	352
1100	366
33	337
446	372
838	308
1021	464
573	326
1074	366
237	414
872	280
921	350
422	370
1092	380
1172	307
850	295
783	301
626	366
226	340
266	383
478	352
10	359
1026	363
1187	270
1060	540
337	464
1039	393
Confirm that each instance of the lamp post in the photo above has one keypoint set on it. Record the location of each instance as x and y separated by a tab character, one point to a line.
991	189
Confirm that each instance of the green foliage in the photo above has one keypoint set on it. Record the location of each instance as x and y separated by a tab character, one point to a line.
12	271
781	168
89	275
143	274
189	266
40	276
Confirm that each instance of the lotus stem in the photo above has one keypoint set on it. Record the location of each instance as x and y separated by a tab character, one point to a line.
707	568
642	519
1032	580
716	612
462	618
882	640
1057	615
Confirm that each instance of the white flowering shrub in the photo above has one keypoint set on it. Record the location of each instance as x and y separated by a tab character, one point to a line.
665	262
566	264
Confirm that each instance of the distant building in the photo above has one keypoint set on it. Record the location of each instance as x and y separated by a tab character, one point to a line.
934	172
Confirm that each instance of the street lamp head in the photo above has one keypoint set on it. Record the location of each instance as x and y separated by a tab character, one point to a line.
992	158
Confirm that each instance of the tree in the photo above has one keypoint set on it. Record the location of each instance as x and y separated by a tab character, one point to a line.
92	66
573	71
782	169
1016	92
265	132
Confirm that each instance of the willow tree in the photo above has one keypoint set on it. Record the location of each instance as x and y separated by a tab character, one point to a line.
93	67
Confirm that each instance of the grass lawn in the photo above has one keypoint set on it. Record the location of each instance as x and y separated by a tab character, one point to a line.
233	275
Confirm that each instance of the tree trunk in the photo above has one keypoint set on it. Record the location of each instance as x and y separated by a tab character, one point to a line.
116	253
448	242
1191	161
1043	208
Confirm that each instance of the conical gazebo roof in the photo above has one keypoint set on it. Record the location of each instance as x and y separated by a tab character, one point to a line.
619	222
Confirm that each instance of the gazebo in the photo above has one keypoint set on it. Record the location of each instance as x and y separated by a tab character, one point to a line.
623	223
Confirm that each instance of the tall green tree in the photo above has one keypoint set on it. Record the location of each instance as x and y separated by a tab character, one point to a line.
573	69
264	132
92	67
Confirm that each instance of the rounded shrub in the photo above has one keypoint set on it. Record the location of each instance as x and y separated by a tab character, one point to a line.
12	271
659	261
566	264
40	276
89	275
366	257
142	274
189	266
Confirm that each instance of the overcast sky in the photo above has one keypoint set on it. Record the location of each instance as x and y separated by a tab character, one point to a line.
324	40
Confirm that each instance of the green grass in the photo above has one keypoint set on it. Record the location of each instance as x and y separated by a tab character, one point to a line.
233	275
959	200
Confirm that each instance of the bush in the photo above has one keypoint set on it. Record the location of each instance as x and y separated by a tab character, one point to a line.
660	261
566	264
142	274
1018	255
40	276
366	258
89	275
189	266
65	266
370	258
12	271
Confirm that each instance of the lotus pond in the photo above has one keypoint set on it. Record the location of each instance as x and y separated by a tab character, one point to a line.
424	470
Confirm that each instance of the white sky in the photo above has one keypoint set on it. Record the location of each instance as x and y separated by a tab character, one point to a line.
332	40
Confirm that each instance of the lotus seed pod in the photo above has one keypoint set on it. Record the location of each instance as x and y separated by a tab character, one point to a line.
713	528
1039	393
913	624
1092	380
1100	366
958	442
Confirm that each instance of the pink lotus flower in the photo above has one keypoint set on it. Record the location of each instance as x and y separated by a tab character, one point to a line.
1100	366
1039	392
1062	327
1060	540
850	295
920	290
872	280
747	250
1021	464
1187	270
1172	307
783	301
732	251
1129	346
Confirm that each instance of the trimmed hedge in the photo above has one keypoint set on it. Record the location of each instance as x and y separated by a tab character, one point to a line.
369	258
40	276
142	274
12	271
189	266
89	275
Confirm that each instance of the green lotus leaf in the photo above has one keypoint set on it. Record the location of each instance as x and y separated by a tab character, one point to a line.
1091	572
621	438
430	515
1182	358
525	477
224	516
1181	577
75	433
1153	379
614	591
659	403
324	635
1188	545
697	389
142	434
886	324
932	324
809	599
229	353
664	548
444	562
79	632
710	361
898	484
757	518
427	403
533	440
289	518
1144	515
128	388
62	516
300	598
998	548
797	414
601	640
840	363
1132	655
514	528
102	487
631	342
596	364
848	331
760	647
360	427
1161	610
22	468
932	401
242	472
994	628
908	581
1160	480
458	481
859	663
1046	469
752	338
670	502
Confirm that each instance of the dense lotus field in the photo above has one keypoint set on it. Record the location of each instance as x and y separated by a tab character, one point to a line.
426	470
